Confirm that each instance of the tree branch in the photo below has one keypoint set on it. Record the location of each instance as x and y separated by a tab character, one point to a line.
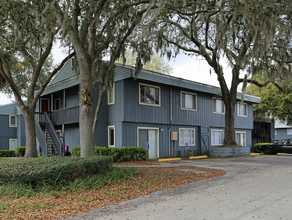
54	72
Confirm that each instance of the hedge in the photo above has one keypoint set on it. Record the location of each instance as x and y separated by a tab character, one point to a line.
7	153
51	170
256	147
118	154
19	151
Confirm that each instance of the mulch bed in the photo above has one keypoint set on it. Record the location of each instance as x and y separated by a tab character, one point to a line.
64	204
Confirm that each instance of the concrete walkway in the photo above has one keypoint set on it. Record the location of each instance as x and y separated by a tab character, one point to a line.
254	188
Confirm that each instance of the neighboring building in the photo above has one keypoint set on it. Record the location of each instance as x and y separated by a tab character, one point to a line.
12	130
166	113
283	131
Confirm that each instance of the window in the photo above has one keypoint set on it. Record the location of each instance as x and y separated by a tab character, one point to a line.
241	138
111	136
111	94
12	121
276	132
188	101
217	137
149	95
218	106
242	109
12	144
186	135
289	131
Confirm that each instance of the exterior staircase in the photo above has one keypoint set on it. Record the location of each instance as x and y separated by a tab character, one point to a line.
50	143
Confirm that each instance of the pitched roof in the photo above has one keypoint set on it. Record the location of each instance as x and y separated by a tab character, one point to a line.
66	78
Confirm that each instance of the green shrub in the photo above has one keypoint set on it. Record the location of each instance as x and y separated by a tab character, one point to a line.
256	147
19	151
75	152
7	153
53	170
118	154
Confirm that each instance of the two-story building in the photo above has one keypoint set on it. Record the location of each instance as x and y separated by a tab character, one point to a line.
162	112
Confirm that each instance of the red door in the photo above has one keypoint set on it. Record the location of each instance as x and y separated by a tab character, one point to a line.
57	104
45	105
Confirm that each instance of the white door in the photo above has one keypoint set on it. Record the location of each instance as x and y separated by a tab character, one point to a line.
149	136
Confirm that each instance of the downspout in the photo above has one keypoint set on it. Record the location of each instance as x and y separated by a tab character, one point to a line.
170	151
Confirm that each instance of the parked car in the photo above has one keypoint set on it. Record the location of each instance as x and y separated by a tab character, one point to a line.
279	146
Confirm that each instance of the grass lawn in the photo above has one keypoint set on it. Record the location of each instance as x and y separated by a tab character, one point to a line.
64	203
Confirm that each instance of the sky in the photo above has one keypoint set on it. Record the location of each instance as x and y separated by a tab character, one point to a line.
187	67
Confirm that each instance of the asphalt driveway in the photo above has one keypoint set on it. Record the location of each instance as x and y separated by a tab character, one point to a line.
254	188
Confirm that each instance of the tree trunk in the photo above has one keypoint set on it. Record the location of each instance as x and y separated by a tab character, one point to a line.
229	124
86	112
31	150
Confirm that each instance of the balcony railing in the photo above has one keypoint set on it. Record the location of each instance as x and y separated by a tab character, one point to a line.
65	116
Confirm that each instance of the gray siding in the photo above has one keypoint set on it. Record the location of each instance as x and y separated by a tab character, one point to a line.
101	129
203	116
282	134
167	148
143	113
72	97
21	137
71	135
6	132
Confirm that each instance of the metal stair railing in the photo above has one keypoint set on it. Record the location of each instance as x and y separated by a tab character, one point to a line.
41	138
59	148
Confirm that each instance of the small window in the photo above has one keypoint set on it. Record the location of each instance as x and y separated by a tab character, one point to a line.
241	138
289	131
217	137
12	121
12	144
188	101
242	109
111	94
218	106
149	95
276	131
186	135
111	136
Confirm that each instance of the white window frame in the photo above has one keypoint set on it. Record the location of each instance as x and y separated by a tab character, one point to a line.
10	124
113	92
214	107
194	137
217	130
238	109
108	135
241	132
12	139
181	101
289	131
159	95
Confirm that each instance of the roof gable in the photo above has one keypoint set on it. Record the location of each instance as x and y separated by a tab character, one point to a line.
65	73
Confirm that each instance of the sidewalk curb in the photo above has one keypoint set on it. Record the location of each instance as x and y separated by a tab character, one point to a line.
169	159
198	157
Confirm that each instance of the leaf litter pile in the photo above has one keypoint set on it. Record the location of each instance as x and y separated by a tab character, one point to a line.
65	204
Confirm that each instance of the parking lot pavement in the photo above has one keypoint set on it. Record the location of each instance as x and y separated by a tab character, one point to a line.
253	188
